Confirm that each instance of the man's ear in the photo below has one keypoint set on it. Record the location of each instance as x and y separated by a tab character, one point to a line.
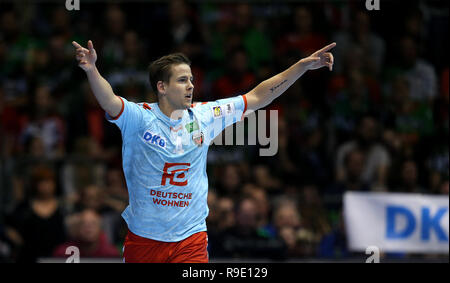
161	87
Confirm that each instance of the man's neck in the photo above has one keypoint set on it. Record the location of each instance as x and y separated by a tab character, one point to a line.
169	111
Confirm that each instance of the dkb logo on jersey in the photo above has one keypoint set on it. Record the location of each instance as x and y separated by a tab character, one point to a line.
176	173
154	139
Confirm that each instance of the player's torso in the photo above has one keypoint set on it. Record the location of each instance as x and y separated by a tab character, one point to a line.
165	162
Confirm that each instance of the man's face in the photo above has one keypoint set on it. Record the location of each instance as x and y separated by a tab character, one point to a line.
179	90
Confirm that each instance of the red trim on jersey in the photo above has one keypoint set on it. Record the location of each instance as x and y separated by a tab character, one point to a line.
245	106
195	104
145	105
245	102
121	110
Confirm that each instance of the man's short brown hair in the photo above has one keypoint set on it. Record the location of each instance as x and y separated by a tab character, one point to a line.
160	69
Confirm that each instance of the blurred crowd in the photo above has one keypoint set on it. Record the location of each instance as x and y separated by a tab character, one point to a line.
377	122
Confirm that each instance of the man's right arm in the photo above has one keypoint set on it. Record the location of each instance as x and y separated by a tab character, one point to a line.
102	90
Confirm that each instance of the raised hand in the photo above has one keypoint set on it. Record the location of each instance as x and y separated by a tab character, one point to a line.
86	57
320	58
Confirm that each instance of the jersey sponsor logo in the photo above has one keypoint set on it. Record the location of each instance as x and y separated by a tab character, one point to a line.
175	173
198	138
217	111
223	110
174	199
229	109
155	139
192	126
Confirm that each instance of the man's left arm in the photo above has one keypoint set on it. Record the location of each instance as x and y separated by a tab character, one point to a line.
263	94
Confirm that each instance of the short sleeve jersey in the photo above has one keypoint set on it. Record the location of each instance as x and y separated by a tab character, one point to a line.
164	163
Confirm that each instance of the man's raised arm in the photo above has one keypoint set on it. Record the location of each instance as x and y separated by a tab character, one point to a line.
264	93
100	87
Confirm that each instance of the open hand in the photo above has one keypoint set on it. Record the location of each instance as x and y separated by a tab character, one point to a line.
86	57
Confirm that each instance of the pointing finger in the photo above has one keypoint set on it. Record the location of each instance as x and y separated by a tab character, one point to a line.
328	47
75	44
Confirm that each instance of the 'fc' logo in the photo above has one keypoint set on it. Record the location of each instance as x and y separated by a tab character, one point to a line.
177	175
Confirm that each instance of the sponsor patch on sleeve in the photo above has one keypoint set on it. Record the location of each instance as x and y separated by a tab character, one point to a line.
223	110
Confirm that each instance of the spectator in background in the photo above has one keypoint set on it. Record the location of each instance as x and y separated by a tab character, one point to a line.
44	126
334	244
221	218
237	77
259	195
354	163
88	237
409	177
115	199
185	35
10	118
91	197
283	163
444	188
15	43
377	159
263	178
353	181
37	65
314	220
441	106
133	51
226	213
115	25
437	161
230	181
212	220
242	240
116	192
59	76
131	80
108	202
303	37
39	221
253	35
87	166
420	74
312	158
360	36
286	221
350	96
412	119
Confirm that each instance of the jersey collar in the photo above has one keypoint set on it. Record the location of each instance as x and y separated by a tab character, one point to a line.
166	119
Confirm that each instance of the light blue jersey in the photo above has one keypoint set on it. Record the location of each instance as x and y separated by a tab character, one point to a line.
164	163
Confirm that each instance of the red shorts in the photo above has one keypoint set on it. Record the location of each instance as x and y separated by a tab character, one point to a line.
190	250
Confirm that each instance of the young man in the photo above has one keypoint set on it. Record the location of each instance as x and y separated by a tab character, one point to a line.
164	151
